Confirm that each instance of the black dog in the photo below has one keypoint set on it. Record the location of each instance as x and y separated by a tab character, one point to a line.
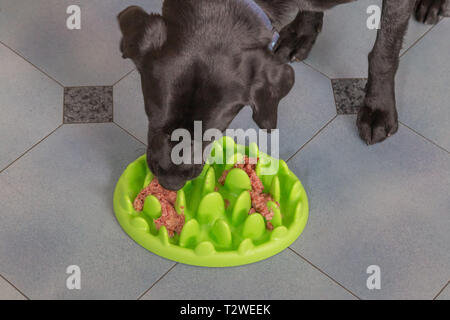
204	60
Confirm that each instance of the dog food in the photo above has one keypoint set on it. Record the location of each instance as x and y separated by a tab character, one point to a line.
223	178
173	221
259	199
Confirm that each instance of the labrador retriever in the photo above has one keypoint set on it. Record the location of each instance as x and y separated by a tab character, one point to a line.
204	60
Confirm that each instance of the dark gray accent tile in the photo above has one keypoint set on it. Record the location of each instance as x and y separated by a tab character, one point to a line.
349	94
88	104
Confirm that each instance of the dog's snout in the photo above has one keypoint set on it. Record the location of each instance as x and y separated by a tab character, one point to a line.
171	184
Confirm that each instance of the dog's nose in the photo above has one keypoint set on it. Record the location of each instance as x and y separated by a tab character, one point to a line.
170	184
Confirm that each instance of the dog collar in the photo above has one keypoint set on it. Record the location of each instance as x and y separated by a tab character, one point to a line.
265	19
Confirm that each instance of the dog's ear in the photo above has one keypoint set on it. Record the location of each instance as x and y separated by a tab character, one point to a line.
141	32
270	82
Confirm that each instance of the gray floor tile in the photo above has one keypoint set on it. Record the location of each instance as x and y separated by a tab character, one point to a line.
85	57
445	295
308	107
57	211
284	276
30	106
129	108
423	93
384	205
342	48
8	292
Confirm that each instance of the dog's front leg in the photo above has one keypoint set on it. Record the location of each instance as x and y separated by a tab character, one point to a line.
377	119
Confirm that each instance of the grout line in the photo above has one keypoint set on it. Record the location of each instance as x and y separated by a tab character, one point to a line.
94	86
39	69
129	133
29	149
123	77
351	78
429	140
315	135
12	285
420	38
145	292
317	70
90	122
329	277
442	290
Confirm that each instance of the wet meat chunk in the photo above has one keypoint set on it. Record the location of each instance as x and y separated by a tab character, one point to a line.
259	199
173	221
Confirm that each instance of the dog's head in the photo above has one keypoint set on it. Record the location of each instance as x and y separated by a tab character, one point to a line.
185	80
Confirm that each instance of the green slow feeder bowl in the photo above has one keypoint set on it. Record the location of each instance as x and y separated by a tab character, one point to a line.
218	231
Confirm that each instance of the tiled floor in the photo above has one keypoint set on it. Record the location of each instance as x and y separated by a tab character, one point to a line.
293	278
87	57
386	205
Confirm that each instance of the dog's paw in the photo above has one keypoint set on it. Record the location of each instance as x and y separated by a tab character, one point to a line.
430	11
376	125
297	39
293	47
